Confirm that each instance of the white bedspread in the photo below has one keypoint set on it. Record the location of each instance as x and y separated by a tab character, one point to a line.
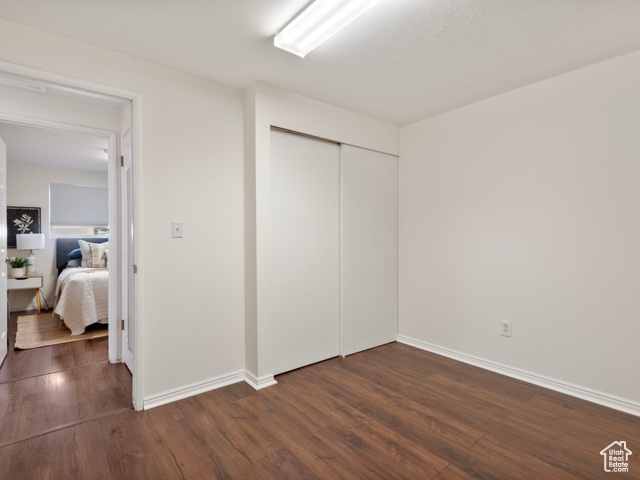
82	296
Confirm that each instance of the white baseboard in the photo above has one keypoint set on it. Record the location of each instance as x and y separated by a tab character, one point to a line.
259	383
169	396
176	394
574	390
28	307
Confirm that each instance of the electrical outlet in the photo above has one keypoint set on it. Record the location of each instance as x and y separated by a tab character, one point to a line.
505	328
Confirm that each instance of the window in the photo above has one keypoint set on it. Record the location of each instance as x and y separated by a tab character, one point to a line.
76	210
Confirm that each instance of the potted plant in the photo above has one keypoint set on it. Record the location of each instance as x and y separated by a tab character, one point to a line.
17	266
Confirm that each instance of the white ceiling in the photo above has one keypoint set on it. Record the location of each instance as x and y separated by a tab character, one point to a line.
43	146
402	61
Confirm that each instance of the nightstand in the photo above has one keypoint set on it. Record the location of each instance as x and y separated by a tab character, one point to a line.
32	282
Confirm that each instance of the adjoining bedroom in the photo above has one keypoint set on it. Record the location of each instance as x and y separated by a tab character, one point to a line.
61	292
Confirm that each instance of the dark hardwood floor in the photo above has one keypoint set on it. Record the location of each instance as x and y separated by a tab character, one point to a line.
393	412
45	389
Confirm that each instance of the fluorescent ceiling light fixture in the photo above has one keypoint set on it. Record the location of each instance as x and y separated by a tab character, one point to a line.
319	21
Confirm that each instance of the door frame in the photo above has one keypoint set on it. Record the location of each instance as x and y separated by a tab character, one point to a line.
4	303
126	207
91	89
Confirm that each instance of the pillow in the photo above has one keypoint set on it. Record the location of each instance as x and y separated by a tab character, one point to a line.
73	254
98	258
73	263
93	255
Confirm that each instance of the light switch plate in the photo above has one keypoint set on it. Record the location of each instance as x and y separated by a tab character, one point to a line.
176	229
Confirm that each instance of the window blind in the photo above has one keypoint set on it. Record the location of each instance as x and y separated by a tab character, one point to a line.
78	205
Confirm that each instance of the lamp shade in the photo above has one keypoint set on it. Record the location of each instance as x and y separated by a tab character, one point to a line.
30	241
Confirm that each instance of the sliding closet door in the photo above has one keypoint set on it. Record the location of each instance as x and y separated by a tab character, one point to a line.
305	239
369	249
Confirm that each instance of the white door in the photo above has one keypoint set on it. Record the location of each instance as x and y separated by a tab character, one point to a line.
305	242
3	252
127	263
369	249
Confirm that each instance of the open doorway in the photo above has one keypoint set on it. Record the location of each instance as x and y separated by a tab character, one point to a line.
97	123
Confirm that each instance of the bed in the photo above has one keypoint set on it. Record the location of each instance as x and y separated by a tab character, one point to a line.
82	289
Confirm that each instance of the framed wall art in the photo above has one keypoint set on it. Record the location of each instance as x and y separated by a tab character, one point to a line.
21	220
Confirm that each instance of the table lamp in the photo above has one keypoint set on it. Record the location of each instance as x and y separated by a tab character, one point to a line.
31	242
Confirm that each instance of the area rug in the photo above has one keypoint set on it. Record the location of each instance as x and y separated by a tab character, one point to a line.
42	330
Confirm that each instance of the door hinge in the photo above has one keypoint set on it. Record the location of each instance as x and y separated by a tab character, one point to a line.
135	268
121	161
122	324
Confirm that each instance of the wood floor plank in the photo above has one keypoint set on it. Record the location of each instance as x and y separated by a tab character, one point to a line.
456	404
351	411
78	452
286	464
495	398
305	415
582	435
369	461
198	447
408	360
363	421
538	468
291	429
490	381
286	425
453	473
393	412
591	415
61	398
374	391
555	443
377	373
132	447
239	428
413	411
21	364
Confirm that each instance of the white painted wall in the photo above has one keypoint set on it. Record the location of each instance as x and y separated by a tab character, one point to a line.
190	303
524	207
268	106
28	185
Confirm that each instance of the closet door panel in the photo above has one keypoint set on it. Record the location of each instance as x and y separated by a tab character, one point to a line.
305	239
369	249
